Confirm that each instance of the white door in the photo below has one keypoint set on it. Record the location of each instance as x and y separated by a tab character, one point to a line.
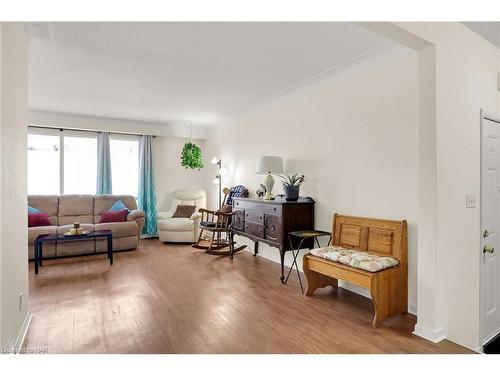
490	231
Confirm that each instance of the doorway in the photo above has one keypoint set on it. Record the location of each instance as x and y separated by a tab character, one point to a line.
490	227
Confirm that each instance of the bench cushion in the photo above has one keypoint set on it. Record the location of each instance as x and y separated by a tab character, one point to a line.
354	258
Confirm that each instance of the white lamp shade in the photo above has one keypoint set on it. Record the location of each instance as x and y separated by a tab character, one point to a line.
216	180
269	164
214	160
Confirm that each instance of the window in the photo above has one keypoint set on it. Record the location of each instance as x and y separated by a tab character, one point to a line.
80	165
124	164
66	162
43	164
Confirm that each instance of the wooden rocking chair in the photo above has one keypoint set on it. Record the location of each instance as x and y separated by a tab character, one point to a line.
218	224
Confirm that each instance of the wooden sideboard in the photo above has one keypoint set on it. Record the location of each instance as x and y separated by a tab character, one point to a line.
270	221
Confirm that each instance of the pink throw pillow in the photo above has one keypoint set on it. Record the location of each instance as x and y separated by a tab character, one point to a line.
38	219
114	216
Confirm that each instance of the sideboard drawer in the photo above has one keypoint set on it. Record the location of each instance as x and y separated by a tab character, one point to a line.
255	216
257	206
254	229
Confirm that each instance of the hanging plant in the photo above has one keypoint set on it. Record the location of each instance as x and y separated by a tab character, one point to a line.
191	156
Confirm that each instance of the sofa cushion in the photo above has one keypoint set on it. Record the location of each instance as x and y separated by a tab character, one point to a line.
77	247
176	224
114	216
38	219
46	203
127	228
34	232
73	208
355	258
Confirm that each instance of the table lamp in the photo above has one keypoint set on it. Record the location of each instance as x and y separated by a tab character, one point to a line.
269	165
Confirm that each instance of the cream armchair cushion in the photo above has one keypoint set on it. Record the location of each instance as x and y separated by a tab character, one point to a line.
181	229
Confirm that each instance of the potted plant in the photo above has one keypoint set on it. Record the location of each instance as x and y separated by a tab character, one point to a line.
291	185
191	156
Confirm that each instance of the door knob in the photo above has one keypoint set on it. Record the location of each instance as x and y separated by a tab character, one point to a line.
488	249
486	234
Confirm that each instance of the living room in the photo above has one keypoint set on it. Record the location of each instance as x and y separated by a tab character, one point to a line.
229	187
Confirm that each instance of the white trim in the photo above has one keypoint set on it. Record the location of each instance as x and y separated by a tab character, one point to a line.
490	337
434	336
98	124
18	343
489	116
482	114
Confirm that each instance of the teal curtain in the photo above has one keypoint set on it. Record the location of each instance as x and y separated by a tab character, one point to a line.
146	198
104	185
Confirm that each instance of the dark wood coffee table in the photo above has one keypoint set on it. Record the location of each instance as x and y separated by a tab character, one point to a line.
40	240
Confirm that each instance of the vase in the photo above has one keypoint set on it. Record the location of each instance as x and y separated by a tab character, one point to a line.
291	192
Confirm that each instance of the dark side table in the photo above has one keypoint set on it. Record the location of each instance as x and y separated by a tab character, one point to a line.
62	238
303	235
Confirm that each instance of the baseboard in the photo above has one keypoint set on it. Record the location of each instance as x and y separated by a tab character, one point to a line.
18	343
435	336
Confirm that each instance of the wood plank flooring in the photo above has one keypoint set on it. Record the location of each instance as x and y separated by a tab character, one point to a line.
176	299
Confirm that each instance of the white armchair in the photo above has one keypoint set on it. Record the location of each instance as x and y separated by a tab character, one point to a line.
180	229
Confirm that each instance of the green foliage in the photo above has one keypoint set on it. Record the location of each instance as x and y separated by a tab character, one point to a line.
292	180
191	156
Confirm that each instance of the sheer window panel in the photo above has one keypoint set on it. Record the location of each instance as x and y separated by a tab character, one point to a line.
124	164
80	165
43	164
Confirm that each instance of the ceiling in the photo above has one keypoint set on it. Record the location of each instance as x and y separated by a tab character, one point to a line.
180	72
488	30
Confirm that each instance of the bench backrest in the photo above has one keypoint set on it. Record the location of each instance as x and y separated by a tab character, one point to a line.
376	236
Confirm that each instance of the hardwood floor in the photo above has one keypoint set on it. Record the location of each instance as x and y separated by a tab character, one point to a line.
176	299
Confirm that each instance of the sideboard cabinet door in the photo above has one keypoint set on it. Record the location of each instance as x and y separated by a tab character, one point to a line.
239	220
273	228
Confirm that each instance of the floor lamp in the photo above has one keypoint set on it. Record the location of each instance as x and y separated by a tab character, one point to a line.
218	178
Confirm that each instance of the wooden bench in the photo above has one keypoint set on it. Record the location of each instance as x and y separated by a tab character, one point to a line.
388	287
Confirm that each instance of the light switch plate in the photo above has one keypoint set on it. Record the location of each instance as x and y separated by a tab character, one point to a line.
470	201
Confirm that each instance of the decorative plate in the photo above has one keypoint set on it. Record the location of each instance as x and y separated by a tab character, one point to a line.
68	234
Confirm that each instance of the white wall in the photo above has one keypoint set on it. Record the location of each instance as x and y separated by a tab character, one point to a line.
466	70
354	134
466	67
13	205
75	121
170	175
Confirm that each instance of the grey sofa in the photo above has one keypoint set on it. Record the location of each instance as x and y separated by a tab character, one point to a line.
64	210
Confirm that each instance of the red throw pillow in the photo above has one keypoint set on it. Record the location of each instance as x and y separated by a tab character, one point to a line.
114	216
38	219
